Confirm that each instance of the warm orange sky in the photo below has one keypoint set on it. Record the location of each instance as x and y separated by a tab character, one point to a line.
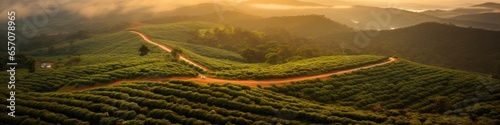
92	7
411	4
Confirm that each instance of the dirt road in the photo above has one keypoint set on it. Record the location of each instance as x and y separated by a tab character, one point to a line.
251	83
169	49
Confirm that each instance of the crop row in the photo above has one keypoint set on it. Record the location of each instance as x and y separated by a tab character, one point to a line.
306	67
402	85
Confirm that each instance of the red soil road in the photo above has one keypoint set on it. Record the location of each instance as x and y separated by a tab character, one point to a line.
137	24
251	83
169	49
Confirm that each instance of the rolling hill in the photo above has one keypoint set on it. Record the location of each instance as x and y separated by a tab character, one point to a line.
485	12
222	17
482	17
441	46
402	92
306	26
436	44
281	2
406	85
490	5
359	16
258	62
398	93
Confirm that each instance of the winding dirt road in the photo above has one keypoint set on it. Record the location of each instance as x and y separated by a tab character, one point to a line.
169	49
251	83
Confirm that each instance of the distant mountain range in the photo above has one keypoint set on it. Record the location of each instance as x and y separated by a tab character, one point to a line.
357	17
485	13
490	5
306	26
482	17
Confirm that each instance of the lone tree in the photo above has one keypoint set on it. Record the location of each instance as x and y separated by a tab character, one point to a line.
30	63
144	50
176	53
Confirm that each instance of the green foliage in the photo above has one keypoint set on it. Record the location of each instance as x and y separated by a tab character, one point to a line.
273	58
118	43
179	31
176	52
254	46
400	93
203	50
73	61
184	102
303	25
54	79
403	85
144	50
82	34
31	65
23	61
441	104
178	34
312	66
215	63
430	43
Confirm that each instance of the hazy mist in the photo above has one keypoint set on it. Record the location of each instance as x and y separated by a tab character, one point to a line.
91	8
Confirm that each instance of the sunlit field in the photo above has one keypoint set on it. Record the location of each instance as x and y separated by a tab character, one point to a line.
250	62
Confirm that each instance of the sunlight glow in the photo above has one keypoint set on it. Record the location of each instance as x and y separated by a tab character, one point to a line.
287	7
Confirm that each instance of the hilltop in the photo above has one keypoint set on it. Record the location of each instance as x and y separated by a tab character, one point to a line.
307	25
482	17
485	13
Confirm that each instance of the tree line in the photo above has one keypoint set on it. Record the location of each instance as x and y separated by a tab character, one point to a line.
272	47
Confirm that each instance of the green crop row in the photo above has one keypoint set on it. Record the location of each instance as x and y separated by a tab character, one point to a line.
306	67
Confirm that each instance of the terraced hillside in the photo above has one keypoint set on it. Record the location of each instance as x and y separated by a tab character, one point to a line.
181	102
409	86
396	91
372	96
102	48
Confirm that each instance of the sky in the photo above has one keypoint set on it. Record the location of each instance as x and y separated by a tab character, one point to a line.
90	8
411	4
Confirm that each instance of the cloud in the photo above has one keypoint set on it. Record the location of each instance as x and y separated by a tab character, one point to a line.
92	8
288	7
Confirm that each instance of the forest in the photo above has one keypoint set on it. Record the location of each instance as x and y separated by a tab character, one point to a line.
276	47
